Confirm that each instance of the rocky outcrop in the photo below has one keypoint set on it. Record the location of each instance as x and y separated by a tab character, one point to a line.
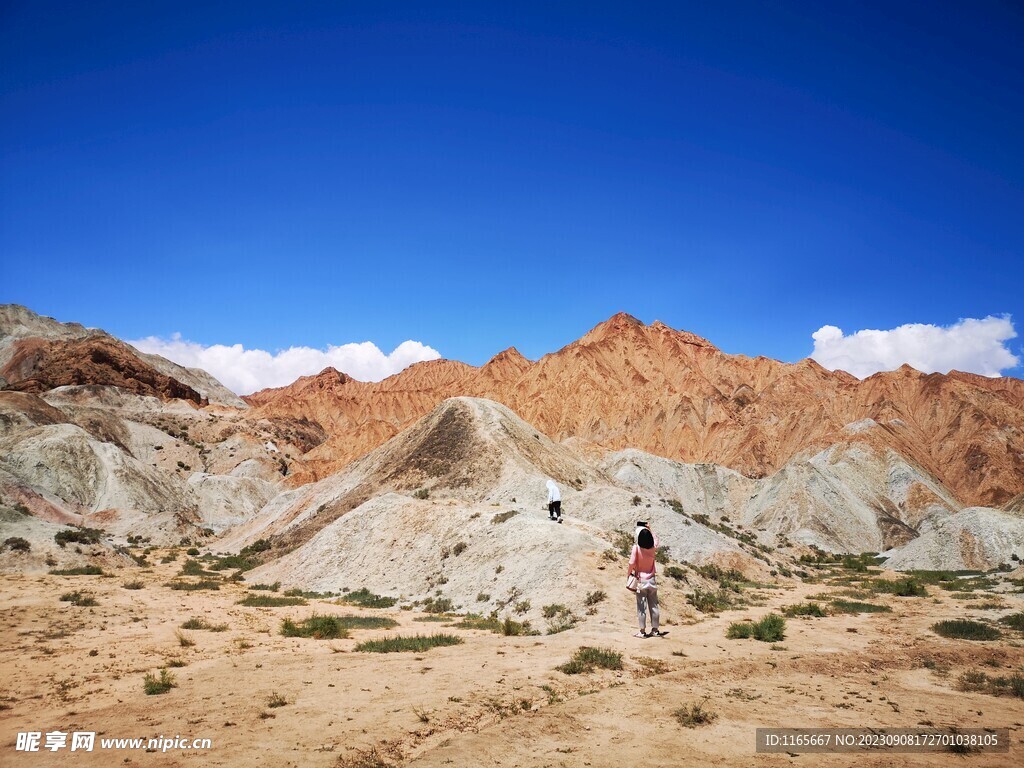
39	365
25	334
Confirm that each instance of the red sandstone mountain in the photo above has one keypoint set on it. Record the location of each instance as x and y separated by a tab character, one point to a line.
672	393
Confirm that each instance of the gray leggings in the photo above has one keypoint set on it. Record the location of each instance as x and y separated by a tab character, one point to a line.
647	598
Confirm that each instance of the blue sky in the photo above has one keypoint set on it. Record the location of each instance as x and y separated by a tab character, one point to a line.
474	175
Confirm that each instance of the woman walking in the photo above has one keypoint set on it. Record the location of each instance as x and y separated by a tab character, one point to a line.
641	563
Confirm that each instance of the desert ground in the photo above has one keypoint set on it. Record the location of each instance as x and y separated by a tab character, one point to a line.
493	699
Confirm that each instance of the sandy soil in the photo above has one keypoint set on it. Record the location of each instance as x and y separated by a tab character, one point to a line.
493	700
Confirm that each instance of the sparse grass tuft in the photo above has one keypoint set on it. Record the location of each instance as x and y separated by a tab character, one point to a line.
559	617
650	667
133	585
184	640
416	643
156	685
81	599
501	517
979	682
695	714
965	629
587	659
276	700
595	597
197	623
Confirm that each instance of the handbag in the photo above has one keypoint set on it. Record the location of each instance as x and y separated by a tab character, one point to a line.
632	582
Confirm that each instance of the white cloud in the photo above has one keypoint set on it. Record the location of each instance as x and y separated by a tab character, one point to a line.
976	346
244	371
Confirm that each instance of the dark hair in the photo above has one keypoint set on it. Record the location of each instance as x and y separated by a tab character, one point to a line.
645	539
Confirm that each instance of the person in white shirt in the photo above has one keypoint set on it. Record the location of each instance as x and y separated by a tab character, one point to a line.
554	502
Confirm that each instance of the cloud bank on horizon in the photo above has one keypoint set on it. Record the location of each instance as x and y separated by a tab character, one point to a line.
245	371
971	345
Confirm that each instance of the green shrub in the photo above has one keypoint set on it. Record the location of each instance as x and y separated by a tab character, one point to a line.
157	685
422	493
587	659
17	544
438	605
966	629
595	597
1014	621
501	517
192	552
77	536
270	601
240	562
85	570
364	598
260	545
707	601
854	606
193	586
908	587
307	594
266	587
416	643
805	609
194	568
740	630
675	572
329	627
770	629
511	628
